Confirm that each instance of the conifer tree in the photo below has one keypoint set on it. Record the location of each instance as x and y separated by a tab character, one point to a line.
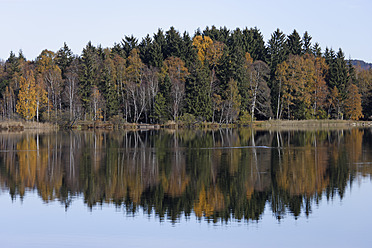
64	58
307	43
198	97
277	53
294	43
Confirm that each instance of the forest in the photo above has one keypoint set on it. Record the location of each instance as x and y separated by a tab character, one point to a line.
217	75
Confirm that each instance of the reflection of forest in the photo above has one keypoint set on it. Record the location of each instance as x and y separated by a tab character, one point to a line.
218	175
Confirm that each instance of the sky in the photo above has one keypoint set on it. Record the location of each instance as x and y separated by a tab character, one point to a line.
35	25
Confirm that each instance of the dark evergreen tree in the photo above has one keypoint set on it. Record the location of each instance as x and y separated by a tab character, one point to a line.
118	49
198	97
159	38
254	43
160	109
351	75
277	50
189	53
21	56
165	90
128	44
307	43
89	76
173	43
12	65
294	43
277	53
316	50
64	58
341	76
145	50
156	55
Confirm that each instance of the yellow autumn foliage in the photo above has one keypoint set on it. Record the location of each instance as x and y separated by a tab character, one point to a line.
26	104
202	43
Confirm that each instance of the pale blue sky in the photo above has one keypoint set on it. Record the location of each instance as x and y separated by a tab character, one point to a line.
34	25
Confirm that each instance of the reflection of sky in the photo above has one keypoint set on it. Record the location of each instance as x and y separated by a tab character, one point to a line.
32	223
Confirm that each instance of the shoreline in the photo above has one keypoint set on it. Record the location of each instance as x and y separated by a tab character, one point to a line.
19	126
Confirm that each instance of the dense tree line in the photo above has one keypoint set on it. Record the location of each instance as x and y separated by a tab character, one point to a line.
218	75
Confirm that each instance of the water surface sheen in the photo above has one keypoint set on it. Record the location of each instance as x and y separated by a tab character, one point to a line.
186	188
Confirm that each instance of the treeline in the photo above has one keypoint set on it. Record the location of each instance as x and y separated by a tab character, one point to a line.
218	75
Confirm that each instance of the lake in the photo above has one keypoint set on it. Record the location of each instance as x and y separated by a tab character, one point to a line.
186	188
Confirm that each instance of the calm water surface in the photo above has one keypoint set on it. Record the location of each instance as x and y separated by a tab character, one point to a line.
234	188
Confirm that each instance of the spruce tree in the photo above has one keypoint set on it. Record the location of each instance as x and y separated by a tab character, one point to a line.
316	50
64	58
307	43
173	43
277	53
128	44
199	102
294	43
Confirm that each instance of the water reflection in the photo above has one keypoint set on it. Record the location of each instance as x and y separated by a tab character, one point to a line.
216	175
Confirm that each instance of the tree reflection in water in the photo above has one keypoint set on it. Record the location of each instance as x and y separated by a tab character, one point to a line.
217	175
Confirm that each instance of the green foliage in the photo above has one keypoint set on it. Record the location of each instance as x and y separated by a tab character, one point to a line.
64	58
160	109
187	119
294	43
166	74
199	102
245	117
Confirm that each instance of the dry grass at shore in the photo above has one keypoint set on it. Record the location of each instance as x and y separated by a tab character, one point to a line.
26	125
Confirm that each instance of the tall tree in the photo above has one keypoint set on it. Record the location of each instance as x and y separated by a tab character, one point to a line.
134	84
277	53
51	74
128	44
202	44
177	72
64	58
89	73
232	102
26	104
353	103
173	43
259	91
72	88
294	43
198	92
306	43
254	43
